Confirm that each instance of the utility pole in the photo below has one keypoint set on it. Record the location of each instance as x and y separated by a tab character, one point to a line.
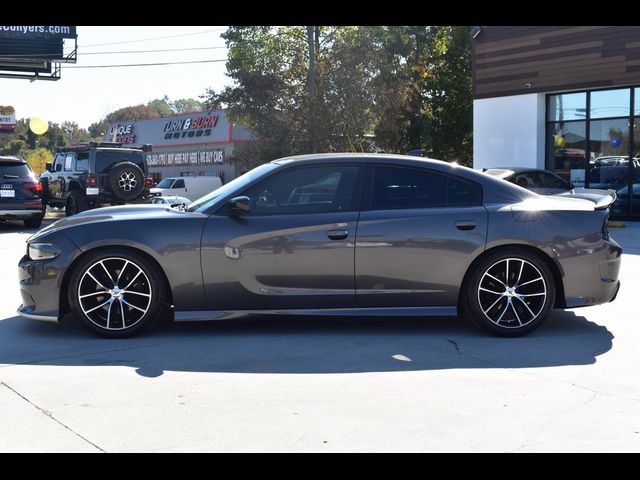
313	134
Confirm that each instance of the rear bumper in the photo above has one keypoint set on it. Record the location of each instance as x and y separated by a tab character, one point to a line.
104	197
23	214
591	272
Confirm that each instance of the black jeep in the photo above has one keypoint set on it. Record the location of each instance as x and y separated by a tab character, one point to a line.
96	173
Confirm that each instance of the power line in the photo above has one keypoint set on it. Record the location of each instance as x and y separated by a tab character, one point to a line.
152	51
55	56
149	39
144	64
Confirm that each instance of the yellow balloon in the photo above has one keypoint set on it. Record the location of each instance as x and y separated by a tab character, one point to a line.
38	126
559	141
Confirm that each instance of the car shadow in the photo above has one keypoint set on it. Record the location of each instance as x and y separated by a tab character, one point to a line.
295	345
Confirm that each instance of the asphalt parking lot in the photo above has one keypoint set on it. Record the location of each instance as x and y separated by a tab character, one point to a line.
323	385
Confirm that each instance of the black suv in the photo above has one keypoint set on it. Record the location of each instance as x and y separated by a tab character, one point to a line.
89	175
20	193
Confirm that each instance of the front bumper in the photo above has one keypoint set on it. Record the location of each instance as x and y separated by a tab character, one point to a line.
42	281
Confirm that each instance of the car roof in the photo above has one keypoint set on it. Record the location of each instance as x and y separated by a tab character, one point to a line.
11	158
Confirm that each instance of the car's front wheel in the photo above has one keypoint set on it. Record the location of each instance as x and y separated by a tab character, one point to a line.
510	292
116	293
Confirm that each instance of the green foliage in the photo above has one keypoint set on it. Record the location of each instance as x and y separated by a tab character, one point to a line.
161	106
136	112
389	89
24	143
37	159
186	105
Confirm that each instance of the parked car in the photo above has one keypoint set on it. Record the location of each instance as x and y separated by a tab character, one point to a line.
613	172
171	201
96	173
621	206
20	192
189	187
398	235
545	182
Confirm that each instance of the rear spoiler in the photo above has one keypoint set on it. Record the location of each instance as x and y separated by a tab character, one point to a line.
605	201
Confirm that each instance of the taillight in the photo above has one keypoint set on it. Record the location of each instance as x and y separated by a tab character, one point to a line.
92	181
148	182
35	187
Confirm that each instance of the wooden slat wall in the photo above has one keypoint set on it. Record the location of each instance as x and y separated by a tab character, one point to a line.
552	58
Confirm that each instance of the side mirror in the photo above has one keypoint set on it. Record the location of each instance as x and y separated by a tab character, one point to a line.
240	205
58	167
48	166
572	186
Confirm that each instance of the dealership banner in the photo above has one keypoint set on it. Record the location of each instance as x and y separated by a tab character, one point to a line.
7	119
38	31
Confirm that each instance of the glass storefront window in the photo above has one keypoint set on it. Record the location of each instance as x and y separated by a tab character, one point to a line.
636	101
609	153
610	103
567	106
621	206
566	153
591	147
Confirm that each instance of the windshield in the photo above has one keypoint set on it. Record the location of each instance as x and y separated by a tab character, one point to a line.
166	183
238	183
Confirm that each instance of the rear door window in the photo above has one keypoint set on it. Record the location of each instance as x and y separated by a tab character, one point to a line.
400	187
82	161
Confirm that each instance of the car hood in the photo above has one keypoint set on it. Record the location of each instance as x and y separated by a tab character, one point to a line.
601	198
110	214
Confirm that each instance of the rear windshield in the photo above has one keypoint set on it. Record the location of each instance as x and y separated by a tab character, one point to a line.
105	159
14	170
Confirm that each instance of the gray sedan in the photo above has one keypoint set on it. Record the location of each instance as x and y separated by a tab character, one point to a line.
333	234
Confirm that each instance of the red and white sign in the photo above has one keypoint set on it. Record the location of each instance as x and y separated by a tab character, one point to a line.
7	119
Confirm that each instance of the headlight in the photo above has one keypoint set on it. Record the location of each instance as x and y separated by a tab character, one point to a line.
42	251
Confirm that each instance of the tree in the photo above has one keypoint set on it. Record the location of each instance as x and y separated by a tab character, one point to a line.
136	112
162	106
366	88
186	105
97	130
38	158
73	133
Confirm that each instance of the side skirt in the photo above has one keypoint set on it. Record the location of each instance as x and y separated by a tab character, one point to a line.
196	316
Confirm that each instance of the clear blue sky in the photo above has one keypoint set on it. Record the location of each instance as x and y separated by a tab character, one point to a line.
87	95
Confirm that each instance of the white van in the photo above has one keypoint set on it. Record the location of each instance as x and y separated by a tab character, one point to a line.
189	187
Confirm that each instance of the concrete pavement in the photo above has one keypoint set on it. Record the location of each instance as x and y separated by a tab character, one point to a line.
323	385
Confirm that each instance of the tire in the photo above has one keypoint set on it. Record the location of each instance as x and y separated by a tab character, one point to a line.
33	222
126	180
137	295
513	307
76	203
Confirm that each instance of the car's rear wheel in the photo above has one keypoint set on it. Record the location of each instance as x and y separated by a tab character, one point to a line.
76	203
116	293
510	293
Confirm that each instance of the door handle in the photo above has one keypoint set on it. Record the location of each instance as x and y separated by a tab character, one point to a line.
465	225
338	234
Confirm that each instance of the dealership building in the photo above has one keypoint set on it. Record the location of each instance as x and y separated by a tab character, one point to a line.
565	99
189	144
